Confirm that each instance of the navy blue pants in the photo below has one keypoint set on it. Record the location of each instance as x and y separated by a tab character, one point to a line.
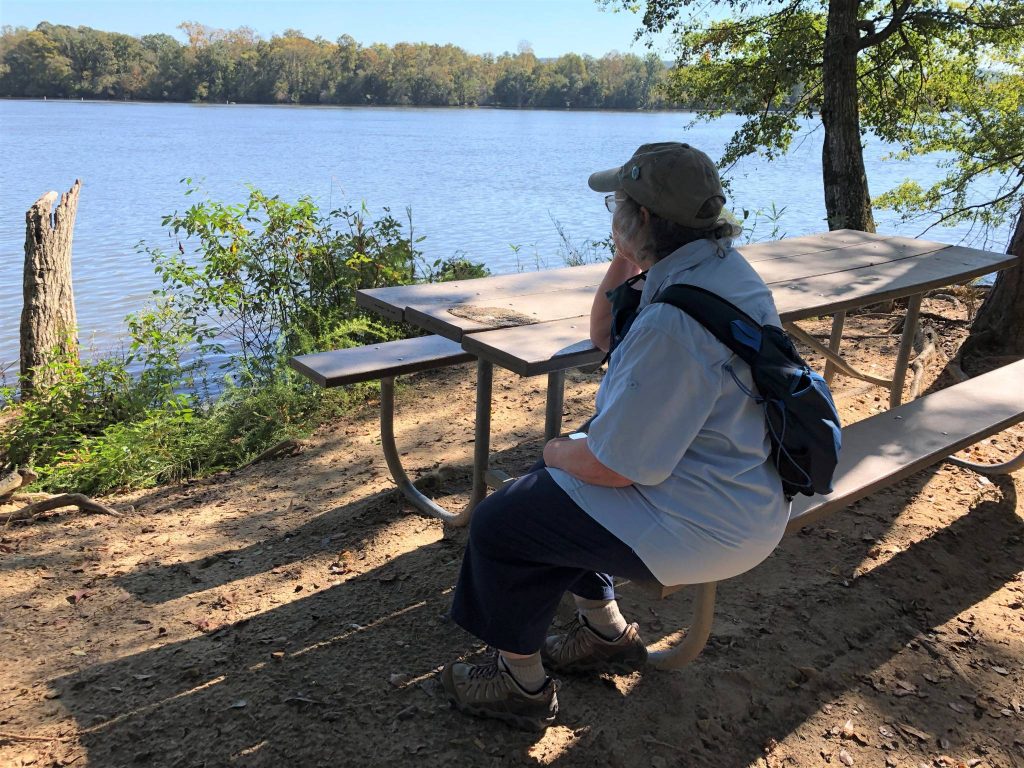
528	544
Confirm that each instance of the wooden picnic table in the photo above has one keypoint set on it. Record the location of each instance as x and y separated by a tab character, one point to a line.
538	322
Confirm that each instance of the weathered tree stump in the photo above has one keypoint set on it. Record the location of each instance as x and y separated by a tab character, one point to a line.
13	479
48	321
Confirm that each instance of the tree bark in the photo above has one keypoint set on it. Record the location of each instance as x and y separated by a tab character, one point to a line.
847	201
48	322
998	329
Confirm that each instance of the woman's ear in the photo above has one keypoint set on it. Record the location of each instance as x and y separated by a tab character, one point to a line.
645	215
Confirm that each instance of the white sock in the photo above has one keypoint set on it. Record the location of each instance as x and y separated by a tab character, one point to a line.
528	672
602	616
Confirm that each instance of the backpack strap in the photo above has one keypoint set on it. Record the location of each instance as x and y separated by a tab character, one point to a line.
727	322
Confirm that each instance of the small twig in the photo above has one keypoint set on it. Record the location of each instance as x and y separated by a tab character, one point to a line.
651	740
284	448
84	504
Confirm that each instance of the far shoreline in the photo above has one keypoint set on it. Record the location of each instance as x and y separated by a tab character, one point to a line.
494	107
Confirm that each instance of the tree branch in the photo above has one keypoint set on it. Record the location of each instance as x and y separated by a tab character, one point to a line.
875	38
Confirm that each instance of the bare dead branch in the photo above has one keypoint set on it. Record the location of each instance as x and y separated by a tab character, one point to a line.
83	502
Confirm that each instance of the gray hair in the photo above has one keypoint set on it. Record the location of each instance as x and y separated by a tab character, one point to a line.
662	236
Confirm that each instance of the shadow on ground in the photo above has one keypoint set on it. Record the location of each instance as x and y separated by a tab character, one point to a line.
346	675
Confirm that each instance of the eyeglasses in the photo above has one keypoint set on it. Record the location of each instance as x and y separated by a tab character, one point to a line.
610	202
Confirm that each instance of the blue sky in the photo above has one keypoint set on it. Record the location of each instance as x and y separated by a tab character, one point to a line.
552	27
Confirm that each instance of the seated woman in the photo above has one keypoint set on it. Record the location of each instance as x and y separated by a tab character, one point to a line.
672	481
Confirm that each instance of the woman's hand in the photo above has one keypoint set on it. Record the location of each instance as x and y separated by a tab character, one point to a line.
620	269
575	457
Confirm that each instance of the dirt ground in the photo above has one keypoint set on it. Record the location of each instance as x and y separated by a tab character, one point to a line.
294	614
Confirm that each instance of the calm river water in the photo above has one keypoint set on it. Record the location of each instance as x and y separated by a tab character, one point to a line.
487	183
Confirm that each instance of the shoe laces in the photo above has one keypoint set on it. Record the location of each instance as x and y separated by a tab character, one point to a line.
486	671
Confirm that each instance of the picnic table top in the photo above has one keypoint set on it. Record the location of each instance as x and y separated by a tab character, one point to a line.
537	322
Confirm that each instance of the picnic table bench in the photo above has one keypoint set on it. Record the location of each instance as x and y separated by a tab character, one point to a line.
385	361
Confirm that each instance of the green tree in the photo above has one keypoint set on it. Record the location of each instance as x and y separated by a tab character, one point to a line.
979	131
857	65
237	65
170	75
516	80
34	66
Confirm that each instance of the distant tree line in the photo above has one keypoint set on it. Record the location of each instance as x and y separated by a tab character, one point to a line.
216	65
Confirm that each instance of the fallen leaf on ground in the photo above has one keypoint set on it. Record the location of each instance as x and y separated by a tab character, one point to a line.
912	731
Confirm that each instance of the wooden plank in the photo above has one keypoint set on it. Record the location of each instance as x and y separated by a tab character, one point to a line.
858	256
427	298
827	294
454	320
374	361
399	297
886	448
530	350
839	239
541	348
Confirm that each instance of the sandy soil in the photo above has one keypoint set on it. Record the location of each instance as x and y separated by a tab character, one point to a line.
294	614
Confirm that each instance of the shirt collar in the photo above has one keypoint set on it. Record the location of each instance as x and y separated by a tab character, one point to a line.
682	259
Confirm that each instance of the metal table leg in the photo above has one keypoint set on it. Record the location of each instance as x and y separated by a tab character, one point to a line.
394	461
553	409
834	359
906	346
834	341
482	442
991	469
696	636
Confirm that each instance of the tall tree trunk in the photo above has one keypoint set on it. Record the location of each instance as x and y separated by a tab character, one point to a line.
48	322
847	201
998	328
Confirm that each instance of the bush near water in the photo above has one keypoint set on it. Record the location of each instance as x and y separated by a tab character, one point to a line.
202	383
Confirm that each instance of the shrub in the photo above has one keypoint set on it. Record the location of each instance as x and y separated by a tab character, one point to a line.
203	383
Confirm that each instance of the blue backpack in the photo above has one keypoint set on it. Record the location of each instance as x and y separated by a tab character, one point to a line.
803	424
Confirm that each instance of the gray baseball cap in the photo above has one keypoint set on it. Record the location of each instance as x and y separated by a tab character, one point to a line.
670	179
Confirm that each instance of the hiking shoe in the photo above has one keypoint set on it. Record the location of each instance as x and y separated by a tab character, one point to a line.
580	649
488	690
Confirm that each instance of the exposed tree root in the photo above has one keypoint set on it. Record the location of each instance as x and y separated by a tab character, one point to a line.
84	504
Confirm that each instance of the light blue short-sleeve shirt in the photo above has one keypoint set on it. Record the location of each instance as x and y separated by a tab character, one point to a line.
706	503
